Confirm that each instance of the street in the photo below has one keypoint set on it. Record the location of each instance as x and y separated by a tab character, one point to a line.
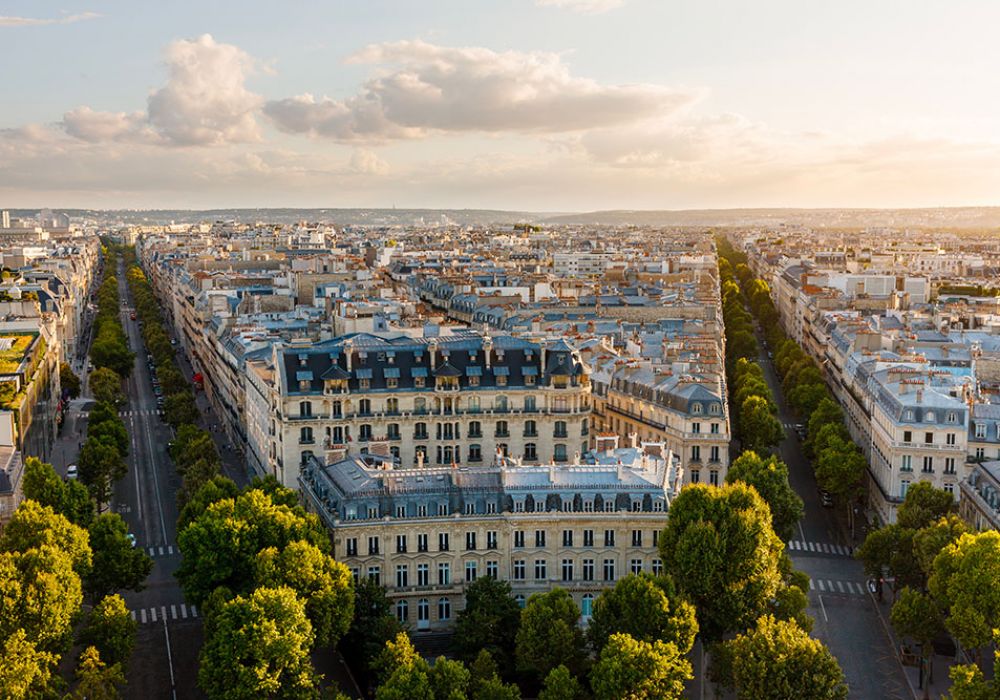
839	601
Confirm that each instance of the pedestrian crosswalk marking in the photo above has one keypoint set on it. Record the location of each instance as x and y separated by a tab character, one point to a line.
142	412
821	586
178	611
820	548
143	614
843	587
152	614
163	551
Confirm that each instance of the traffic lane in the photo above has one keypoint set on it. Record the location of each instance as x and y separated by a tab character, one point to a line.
846	621
149	671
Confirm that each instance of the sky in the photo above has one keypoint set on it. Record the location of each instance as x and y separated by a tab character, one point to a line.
540	105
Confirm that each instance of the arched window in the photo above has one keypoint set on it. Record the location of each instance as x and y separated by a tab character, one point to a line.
444	609
402	611
696	408
500	403
306	436
305	409
392	405
587	606
365	407
530	452
420	405
423	614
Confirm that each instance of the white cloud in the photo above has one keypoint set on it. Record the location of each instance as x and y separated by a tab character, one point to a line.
424	89
9	21
586	7
204	103
367	162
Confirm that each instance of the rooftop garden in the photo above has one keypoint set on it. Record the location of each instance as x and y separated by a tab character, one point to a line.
13	348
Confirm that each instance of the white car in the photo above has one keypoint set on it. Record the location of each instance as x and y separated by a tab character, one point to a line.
71	471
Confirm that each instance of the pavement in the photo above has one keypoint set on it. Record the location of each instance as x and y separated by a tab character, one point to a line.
846	616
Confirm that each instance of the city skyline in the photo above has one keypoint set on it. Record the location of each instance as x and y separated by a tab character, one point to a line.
551	105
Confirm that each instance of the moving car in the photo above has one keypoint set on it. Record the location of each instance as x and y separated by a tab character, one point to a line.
72	471
131	539
826	498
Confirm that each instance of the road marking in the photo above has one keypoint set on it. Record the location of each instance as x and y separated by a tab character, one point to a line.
170	549
163	612
194	611
133	615
821	586
823	608
810	546
142	614
184	611
812	586
152	614
161	551
840	586
135	473
152	551
173	612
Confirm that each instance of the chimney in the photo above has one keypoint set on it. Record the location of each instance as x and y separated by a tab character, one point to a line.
920	395
633	439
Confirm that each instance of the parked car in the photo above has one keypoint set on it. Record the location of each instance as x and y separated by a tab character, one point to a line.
826	498
72	471
800	430
131	539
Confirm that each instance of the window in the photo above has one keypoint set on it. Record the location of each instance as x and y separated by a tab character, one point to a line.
375	574
352	547
442	509
470	508
929	417
657	567
952	417
906	464
696	428
695	476
609	569
696	453
949	465
539	538
444	609
420	431
470	541
567	569
949	439
491	539
980	430
713	453
903	488
656	538
909	415
364	407
444	574
950	488
907	436
980	453
519	599
635	566
530	428
713	477
423	612
422	539
587	606
636	538
928	467
355	573
373	545
501	429
928	438
696	408
401	544
530	452
392	405
540	570
402	576
559	452
442	541
713	408
609	538
372	511
392	431
588	538
560	429
500	403
470	571
588	569
305	409
306	436
338	409
475	429
519	569
475	453
423	575
402	611
713	428
493	568
567	538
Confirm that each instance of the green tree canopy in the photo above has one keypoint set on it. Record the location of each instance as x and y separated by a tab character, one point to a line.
490	621
40	594
759	429
923	505
769	476
101	465
26	670
371	627
628	668
721	550
964	584
645	608
111	629
95	679
34	525
117	564
777	660
68	380
258	647
106	386
68	498
449	679
550	634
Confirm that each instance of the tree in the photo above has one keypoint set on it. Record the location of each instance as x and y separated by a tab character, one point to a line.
741	344
777	660
110	432
560	684
827	412
33	526
490	621
916	616
111	629
840	468
117	564
106	386
449	679
258	647
39	594
641	607
110	351
219	488
923	505
889	551
181	408
26	670
485	683
930	540
101	465
68	380
550	634
628	668
719	547
220	546
964	584
372	626
323	583
770	478
68	498
805	398
759	429
95	679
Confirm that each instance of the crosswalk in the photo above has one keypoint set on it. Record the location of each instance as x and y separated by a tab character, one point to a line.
143	412
146	616
820	548
164	551
825	585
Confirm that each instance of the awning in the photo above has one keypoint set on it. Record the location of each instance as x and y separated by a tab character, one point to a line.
303	376
418	371
363	373
473	371
529	371
501	371
391	372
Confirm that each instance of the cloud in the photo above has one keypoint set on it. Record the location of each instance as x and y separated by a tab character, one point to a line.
8	21
424	89
204	103
366	162
585	7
